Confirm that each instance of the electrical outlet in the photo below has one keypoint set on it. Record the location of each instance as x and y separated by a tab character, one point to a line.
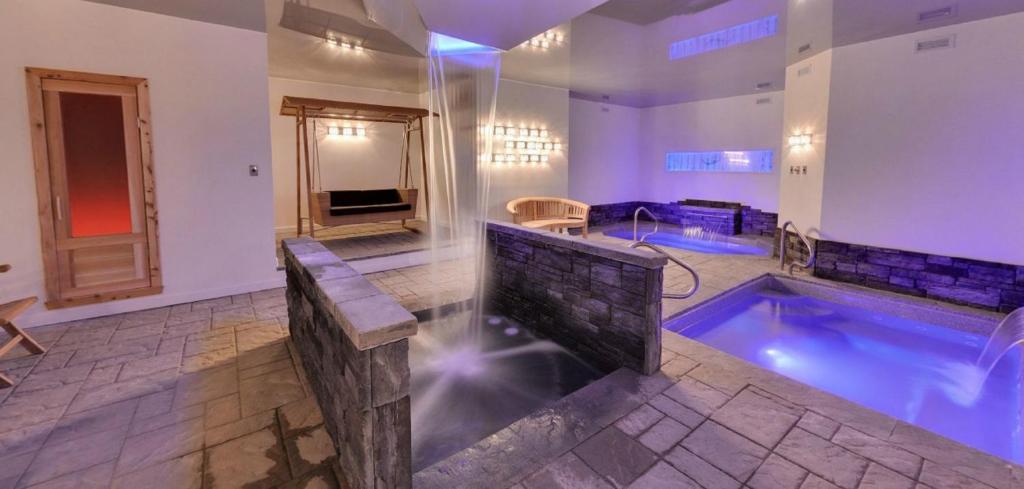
803	171
254	171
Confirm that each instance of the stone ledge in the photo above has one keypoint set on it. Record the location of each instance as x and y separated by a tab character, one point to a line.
369	317
698	209
641	258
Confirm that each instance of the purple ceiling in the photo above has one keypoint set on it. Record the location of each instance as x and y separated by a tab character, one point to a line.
501	24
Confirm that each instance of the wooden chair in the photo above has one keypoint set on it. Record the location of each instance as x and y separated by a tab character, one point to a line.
8	312
551	213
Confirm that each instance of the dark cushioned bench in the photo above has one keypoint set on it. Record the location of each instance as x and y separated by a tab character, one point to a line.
353	202
342	207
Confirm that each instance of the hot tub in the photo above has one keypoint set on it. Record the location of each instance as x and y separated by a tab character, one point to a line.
910	360
698	242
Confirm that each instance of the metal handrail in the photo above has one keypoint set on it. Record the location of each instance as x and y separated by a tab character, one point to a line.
636	221
782	249
696	277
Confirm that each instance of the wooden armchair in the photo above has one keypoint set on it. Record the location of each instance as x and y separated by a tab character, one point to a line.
8	312
551	213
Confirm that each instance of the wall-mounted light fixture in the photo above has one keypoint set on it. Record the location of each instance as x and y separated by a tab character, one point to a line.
346	131
523	145
546	40
800	140
342	43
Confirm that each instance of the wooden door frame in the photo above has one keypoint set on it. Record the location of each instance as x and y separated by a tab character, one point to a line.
40	154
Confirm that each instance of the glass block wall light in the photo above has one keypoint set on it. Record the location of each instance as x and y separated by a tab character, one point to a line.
545	41
798	141
349	45
347	131
524	145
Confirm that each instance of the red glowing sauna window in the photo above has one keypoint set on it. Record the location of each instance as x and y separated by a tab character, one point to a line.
99	200
94	179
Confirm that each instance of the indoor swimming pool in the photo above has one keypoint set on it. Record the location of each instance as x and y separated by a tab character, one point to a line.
715	245
912	362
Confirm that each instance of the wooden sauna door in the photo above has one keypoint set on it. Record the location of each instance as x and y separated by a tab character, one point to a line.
101	216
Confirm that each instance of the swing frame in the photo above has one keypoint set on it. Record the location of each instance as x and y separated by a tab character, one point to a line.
318	203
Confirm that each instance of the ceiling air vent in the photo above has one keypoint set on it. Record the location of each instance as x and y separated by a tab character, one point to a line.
933	44
806	70
804	48
937	14
763	100
763	85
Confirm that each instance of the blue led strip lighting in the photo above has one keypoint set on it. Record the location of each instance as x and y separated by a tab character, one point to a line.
752	161
737	34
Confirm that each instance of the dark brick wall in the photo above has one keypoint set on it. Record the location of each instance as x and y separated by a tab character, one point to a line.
756	221
363	394
986	285
719	220
605	214
720	217
796	252
711	203
601	301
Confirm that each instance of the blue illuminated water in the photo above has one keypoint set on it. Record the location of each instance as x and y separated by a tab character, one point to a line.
674	240
918	372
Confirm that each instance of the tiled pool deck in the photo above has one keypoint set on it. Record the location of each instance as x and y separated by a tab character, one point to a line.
207	395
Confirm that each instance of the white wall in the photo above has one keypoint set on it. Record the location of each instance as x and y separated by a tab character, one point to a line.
926	152
733	123
208	85
604	165
345	163
806	112
619	155
534	106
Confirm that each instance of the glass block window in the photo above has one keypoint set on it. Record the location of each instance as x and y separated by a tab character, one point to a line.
737	34
751	161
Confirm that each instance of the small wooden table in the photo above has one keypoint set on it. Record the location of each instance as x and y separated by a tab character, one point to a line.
8	312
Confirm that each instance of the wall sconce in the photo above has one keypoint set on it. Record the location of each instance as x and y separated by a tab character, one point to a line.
800	140
347	131
523	146
545	40
343	44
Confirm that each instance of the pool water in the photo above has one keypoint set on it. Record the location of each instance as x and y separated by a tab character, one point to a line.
675	240
918	372
469	383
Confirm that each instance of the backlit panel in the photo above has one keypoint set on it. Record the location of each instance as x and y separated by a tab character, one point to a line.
750	161
712	41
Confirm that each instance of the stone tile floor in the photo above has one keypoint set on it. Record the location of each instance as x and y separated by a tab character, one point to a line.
419	287
197	395
709	420
207	395
422	287
365	240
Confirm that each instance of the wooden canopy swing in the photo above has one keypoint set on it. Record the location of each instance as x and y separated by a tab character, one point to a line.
342	207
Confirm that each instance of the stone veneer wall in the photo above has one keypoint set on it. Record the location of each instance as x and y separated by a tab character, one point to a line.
723	218
756	221
605	214
986	285
353	343
601	301
795	249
